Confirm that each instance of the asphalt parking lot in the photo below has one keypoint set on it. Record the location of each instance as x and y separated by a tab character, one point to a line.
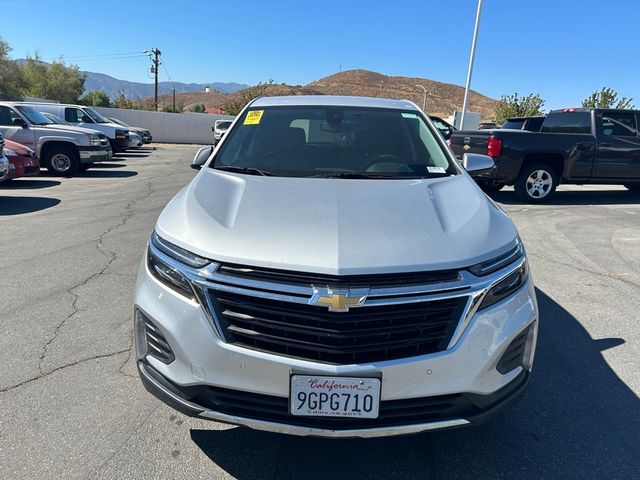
71	405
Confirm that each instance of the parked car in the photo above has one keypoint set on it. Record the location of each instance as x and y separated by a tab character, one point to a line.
219	129
333	245
63	150
142	132
104	141
87	117
22	160
487	125
135	141
444	127
575	145
4	162
531	124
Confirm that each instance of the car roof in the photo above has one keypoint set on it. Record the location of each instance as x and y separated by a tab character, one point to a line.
333	101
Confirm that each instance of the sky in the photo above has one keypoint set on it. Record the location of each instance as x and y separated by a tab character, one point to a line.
560	49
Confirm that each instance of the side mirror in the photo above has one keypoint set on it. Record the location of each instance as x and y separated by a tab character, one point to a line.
447	133
24	124
200	158
475	163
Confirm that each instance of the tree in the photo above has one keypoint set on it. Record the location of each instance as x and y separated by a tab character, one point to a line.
169	108
607	98
513	106
238	100
53	81
96	98
197	108
11	80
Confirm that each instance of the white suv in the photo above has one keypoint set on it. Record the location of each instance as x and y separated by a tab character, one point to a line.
333	271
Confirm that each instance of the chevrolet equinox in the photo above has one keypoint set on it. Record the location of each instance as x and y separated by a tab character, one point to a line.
333	270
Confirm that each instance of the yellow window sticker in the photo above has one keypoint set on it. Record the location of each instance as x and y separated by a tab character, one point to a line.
253	117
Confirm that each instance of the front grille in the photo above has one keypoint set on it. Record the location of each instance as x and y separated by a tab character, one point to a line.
366	334
392	412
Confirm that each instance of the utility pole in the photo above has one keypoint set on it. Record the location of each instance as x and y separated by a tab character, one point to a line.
470	70
156	64
174	100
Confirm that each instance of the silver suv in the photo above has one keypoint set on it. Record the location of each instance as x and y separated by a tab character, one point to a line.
333	271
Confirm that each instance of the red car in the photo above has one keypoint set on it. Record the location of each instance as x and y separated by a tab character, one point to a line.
23	162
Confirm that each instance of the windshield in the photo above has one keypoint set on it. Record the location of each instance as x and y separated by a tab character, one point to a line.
223	125
55	119
33	115
95	116
349	142
513	123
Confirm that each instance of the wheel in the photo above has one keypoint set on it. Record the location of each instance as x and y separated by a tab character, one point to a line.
536	183
634	187
62	161
490	187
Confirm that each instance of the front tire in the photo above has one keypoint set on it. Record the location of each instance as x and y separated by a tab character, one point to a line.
536	183
62	161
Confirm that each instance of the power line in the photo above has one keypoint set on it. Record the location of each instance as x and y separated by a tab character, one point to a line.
105	56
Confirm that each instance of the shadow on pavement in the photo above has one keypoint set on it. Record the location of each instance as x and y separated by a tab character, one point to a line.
578	420
130	155
24	183
107	165
97	173
20	205
575	197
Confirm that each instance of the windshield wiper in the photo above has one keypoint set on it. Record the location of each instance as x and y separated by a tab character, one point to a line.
246	170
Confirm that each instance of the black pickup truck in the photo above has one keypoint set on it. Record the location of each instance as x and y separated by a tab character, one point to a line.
574	145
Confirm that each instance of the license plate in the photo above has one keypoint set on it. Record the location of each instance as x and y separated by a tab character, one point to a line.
319	396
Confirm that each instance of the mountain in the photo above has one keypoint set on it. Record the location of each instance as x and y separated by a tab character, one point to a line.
442	98
134	90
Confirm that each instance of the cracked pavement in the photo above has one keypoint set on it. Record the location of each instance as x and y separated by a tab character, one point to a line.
71	405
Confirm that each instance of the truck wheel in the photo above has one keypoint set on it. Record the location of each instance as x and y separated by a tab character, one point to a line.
62	161
634	187
536	183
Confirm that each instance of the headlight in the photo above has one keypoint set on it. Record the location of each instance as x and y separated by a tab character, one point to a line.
94	140
169	274
506	287
501	261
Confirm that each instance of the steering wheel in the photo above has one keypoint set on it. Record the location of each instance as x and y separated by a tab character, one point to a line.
384	158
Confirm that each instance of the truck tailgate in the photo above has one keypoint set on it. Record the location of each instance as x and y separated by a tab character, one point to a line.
470	142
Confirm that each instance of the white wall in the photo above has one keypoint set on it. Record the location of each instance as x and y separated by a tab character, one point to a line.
169	127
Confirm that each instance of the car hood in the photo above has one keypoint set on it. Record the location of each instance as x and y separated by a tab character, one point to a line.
70	128
18	148
337	226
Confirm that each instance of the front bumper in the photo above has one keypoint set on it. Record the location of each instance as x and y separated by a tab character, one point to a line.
204	362
94	154
485	408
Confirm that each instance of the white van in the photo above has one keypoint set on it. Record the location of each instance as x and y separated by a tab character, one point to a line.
87	117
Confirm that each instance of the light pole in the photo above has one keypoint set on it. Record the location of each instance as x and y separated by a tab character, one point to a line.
470	70
424	100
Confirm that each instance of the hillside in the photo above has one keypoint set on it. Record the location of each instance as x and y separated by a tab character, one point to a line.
134	90
442	98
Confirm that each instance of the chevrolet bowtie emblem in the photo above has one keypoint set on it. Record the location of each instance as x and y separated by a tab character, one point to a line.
339	300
